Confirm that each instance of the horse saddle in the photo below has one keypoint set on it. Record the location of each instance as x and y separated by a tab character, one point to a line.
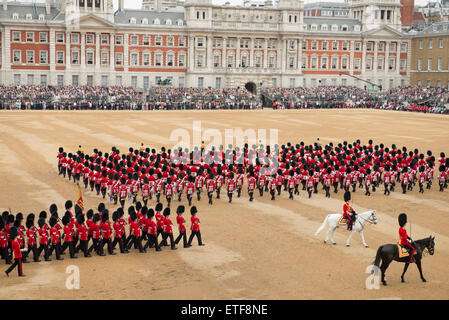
403	252
344	221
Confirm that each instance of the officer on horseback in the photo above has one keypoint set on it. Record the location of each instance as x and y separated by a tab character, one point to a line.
404	238
348	212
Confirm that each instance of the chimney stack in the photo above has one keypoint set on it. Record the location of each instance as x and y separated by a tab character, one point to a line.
121	5
5	4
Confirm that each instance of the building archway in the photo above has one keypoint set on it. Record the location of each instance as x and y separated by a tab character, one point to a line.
251	87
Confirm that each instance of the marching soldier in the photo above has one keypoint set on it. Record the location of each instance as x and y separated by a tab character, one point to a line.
230	186
17	253
182	229
251	186
195	227
168	231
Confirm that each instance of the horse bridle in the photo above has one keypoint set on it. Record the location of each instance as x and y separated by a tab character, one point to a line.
367	220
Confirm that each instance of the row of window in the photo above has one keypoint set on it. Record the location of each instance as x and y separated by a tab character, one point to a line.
104	58
29	37
28	17
158	61
438	83
430	64
104	39
158	41
370	46
230	61
430	44
156	21
342	63
333	27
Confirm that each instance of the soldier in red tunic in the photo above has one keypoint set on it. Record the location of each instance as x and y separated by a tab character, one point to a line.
251	186
404	238
195	227
17	253
182	229
4	242
348	212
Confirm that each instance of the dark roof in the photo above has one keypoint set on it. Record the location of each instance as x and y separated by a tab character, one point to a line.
23	9
123	17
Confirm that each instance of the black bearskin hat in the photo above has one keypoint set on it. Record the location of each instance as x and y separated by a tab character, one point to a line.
30	217
105	215
13	232
19	216
43	214
115	216
402	219
5	215
159	207
80	218
68	204
96	218
10	218
138	205
53	208
101	207
180	209
193	210
78	210
52	221
41	222
29	224
347	196
65	220
166	212
89	214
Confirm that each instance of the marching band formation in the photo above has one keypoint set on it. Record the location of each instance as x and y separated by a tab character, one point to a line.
143	174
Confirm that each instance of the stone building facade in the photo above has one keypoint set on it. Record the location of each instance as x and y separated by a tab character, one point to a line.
197	44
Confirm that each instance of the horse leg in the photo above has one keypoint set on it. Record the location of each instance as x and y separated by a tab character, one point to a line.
405	270
363	238
327	235
332	237
418	264
384	268
349	238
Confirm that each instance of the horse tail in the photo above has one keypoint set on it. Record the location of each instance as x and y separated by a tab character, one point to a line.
322	225
378	254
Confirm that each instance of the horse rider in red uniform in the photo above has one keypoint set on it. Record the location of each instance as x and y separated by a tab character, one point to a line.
348	212
404	238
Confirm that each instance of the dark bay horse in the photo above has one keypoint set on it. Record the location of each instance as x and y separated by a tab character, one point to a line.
390	252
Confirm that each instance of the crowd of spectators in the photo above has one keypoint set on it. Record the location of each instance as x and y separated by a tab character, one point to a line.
404	98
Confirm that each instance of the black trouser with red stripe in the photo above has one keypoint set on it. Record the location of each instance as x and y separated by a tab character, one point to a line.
5	254
43	247
182	234
152	240
17	263
120	244
198	236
